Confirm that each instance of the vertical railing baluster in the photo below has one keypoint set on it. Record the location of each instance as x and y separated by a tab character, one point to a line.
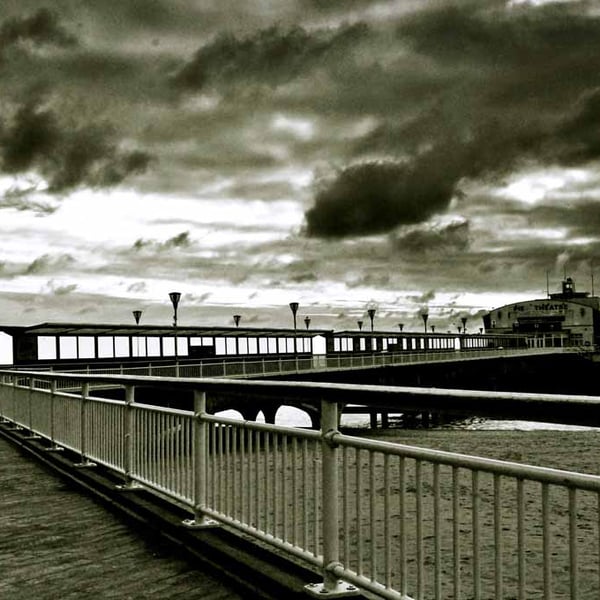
573	558
419	522
521	538
373	516
437	532
475	533
402	526
387	556
456	530
498	534
546	541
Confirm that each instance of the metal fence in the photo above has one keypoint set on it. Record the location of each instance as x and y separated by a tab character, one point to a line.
251	367
396	520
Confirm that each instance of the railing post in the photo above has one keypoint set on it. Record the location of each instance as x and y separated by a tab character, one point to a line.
31	435
128	440
54	447
200	450
85	392
332	586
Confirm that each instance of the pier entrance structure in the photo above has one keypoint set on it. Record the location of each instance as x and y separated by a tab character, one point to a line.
567	318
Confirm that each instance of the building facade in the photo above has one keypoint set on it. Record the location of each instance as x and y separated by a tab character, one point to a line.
568	318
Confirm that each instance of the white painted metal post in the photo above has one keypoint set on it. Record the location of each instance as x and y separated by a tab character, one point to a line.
128	440
53	446
85	391
200	464
332	586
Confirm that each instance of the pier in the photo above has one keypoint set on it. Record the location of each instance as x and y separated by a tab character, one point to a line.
355	514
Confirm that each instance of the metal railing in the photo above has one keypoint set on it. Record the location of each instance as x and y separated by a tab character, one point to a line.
247	368
396	520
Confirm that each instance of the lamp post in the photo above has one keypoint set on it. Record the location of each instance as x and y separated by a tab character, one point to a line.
371	313
175	297
464	324
294	308
401	327
432	328
360	324
137	315
425	316
307	322
236	320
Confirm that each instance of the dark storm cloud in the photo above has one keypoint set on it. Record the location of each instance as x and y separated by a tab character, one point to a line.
374	197
181	240
520	84
68	155
271	56
40	28
451	238
47	262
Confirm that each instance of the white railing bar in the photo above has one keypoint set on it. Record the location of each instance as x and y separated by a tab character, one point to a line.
511	469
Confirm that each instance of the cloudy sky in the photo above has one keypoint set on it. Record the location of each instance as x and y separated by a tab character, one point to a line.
405	154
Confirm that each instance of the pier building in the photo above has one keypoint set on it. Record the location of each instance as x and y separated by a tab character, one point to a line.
566	318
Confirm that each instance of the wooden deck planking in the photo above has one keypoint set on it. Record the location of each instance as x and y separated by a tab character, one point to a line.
57	543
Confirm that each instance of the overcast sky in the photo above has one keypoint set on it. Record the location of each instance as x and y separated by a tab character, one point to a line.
405	154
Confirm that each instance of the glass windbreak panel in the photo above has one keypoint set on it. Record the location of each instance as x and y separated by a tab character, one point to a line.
252	346
281	345
67	346
105	347
363	344
121	346
85	344
138	346
385	343
208	341
336	345
195	341
230	345
263	345
290	344
168	345
243	345
153	346
272	345
373	343
182	346
219	346
46	347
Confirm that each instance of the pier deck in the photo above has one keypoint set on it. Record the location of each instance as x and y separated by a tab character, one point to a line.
56	542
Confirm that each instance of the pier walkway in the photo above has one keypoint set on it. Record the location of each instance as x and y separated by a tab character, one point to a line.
56	542
290	512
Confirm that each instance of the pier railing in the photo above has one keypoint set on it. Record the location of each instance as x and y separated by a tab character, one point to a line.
399	521
249	367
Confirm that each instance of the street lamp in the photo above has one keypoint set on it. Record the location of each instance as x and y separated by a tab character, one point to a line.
432	328
464	324
360	324
137	315
236	320
401	326
371	313
425	316
294	308
175	297
307	322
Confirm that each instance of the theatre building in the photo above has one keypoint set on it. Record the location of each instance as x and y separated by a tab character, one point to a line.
568	318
